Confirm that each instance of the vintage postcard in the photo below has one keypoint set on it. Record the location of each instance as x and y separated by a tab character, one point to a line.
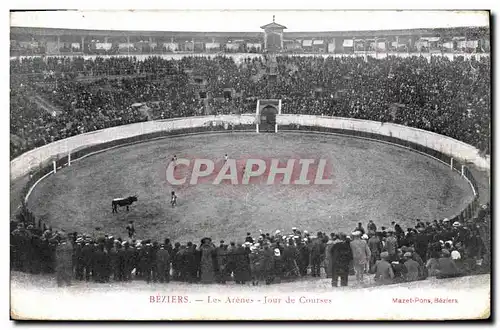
250	165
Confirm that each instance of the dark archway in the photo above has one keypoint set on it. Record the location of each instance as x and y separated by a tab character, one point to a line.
268	118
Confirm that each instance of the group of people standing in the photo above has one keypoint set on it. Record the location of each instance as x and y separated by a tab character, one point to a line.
391	255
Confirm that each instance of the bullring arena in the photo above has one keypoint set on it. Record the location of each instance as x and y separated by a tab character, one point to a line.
371	180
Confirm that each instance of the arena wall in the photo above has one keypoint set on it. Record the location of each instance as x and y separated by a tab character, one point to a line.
449	146
33	159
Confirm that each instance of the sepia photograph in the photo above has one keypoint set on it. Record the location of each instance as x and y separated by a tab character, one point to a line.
194	165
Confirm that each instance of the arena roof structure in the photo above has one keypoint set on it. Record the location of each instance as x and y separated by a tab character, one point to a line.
457	31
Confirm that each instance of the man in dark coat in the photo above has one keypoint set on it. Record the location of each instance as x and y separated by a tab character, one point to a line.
21	238
180	273
249	238
152	259
372	227
64	263
268	264
317	254
176	262
88	255
341	257
100	264
145	261
360	228
303	261
78	259
242	265
421	244
375	245
231	260
190	267
221	263
125	256
207	271
168	246
115	261
163	264
290	256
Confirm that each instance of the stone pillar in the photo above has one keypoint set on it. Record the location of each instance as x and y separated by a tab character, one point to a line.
58	44
128	44
83	44
281	39
265	40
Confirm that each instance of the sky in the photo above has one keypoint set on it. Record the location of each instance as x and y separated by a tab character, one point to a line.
248	21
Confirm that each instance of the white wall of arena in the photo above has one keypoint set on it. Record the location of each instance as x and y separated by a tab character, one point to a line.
23	164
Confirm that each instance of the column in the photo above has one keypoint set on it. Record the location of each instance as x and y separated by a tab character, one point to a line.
83	44
281	38
265	40
128	45
58	45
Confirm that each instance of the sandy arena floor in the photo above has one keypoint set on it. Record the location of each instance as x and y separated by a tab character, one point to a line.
371	181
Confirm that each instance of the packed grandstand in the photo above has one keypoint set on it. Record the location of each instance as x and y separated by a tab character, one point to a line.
52	98
55	98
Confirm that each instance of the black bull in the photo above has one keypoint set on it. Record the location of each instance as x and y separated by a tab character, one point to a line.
122	202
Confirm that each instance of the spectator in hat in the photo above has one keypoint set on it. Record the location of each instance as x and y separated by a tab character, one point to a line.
341	257
328	255
114	260
221	261
88	258
421	244
432	264
372	227
257	265
191	267
249	238
163	264
303	258
78	258
242	264
391	245
383	270
360	228
126	256
208	254
446	266
361	255
64	263
290	256
375	246
317	248
412	267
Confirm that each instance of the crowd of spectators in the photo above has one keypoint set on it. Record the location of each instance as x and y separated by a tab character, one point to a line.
450	97
391	255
